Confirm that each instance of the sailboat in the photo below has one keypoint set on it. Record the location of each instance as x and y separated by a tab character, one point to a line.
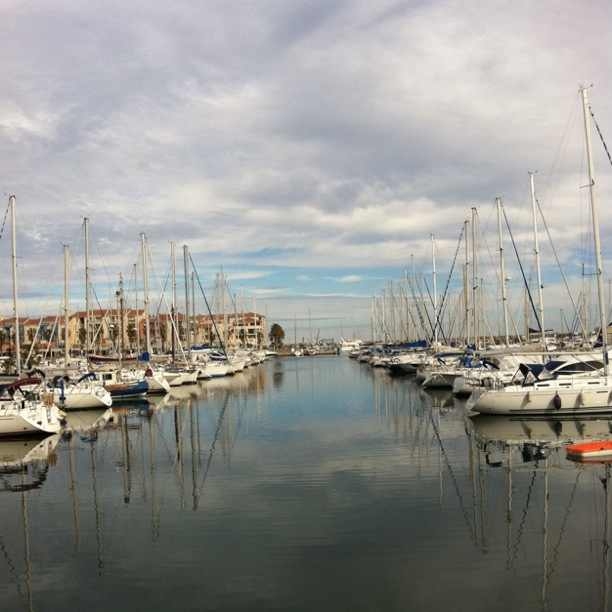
564	395
21	411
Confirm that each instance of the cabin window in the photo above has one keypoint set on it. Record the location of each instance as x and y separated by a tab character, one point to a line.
582	366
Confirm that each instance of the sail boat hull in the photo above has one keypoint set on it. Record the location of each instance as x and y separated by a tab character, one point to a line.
27	418
555	400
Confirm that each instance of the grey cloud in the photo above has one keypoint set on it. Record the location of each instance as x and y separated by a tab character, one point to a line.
217	125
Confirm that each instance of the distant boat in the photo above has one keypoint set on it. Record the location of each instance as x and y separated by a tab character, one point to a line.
346	346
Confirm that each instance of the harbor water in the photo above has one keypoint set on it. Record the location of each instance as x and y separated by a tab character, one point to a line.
312	483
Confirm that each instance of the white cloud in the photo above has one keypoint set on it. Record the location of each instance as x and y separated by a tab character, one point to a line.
270	153
350	279
246	275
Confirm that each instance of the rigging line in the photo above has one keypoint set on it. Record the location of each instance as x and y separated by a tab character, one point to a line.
12	569
444	304
562	145
427	311
417	306
603	142
212	318
174	326
453	478
161	299
4	219
522	271
211	451
555	553
554	250
521	527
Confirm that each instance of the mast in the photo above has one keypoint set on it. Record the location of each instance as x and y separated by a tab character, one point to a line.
466	281
222	287
136	321
502	269
17	339
66	316
586	108
435	288
474	279
187	320
87	306
145	288
174	326
121	309
193	308
536	251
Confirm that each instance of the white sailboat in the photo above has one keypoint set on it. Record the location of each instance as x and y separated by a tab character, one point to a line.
24	412
564	395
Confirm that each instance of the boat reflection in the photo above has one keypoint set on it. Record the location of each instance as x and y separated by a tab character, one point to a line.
87	423
29	459
514	431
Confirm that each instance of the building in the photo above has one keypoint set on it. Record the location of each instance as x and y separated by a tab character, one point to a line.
237	330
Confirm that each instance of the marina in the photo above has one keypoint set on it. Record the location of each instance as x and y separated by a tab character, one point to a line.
306	306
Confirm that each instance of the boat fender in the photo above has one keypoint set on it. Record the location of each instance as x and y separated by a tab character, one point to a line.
556	401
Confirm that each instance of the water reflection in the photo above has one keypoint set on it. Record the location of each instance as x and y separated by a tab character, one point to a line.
24	462
310	483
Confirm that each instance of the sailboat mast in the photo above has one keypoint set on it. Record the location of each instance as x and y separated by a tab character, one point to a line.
193	308
136	309
435	288
502	269
474	279
466	282
66	315
586	108
187	319
17	339
174	326
87	307
121	317
536	251
145	289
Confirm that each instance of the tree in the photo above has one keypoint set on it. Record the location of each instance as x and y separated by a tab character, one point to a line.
277	334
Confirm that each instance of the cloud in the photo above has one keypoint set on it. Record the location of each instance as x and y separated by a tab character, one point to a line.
269	153
246	275
350	279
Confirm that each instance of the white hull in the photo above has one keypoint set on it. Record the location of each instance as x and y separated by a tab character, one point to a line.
157	384
203	374
27	417
174	379
190	378
557	397
217	369
80	399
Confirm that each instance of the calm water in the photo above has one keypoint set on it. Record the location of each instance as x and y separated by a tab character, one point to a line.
304	484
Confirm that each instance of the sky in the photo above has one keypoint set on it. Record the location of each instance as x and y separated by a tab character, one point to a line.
308	147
